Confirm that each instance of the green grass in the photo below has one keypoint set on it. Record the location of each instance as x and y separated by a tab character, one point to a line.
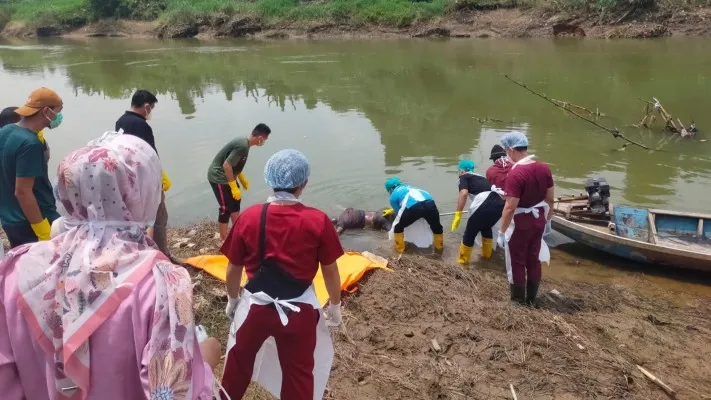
49	12
399	13
388	12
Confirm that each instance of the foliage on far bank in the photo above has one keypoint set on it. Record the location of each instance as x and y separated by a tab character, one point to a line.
397	13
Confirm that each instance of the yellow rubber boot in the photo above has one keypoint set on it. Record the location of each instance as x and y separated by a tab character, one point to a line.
487	247
465	254
400	242
438	242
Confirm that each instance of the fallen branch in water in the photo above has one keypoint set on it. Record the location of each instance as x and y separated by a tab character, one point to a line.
567	105
655	107
684	132
666	116
615	132
647	115
488	120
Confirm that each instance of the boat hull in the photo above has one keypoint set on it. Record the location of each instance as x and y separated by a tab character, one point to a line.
635	250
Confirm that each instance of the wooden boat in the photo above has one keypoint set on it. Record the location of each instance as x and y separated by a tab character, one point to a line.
672	238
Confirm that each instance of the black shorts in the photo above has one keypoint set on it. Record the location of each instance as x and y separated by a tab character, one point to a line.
22	233
227	203
19	234
425	209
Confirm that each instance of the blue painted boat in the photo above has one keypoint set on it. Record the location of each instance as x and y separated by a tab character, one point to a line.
671	238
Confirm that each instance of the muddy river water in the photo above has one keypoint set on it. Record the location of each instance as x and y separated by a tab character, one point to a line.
365	110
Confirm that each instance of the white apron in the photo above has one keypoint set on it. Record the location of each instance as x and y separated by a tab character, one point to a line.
267	370
544	255
418	233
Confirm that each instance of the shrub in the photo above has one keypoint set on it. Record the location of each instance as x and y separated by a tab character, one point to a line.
5	15
98	9
131	9
146	10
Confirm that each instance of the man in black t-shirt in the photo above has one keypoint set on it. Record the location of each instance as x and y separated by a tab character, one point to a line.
482	218
134	122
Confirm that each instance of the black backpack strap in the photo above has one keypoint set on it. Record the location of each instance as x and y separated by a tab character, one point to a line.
263	232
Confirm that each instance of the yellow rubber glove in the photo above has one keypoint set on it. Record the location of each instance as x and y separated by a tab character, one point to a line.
42	229
243	181
236	194
166	181
388	212
40	136
457	220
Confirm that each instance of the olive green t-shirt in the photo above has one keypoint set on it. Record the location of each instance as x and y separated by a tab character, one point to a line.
235	152
23	155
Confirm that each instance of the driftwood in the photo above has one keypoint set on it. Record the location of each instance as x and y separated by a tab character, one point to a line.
684	132
567	105
648	118
615	132
652	107
667	117
658	382
488	120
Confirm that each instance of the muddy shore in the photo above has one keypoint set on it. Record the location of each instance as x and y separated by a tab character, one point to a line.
430	330
497	23
583	344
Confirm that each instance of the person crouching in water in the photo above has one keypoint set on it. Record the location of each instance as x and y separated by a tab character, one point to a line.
352	218
484	211
280	245
529	199
409	205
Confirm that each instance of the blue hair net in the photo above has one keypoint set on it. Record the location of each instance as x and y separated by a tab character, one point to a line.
514	139
287	169
392	183
466	165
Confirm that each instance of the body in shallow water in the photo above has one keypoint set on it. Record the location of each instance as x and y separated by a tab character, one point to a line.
352	218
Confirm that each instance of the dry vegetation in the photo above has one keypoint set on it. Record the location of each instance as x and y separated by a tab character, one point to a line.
585	346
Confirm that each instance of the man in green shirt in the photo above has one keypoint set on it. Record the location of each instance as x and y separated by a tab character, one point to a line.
27	204
224	171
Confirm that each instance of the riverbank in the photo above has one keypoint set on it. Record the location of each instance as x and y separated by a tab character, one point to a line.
336	19
584	344
429	330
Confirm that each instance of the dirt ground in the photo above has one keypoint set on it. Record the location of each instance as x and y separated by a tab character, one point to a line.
583	345
496	23
430	330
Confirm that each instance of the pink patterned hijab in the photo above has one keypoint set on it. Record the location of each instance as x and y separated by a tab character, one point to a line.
71	285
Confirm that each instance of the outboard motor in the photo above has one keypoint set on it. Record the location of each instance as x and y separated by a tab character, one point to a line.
598	195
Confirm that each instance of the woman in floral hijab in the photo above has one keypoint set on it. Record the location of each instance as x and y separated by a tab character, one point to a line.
98	312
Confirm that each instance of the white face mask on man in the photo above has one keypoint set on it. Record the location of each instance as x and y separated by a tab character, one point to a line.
149	112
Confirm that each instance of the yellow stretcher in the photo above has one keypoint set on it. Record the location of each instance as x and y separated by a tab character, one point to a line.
352	266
